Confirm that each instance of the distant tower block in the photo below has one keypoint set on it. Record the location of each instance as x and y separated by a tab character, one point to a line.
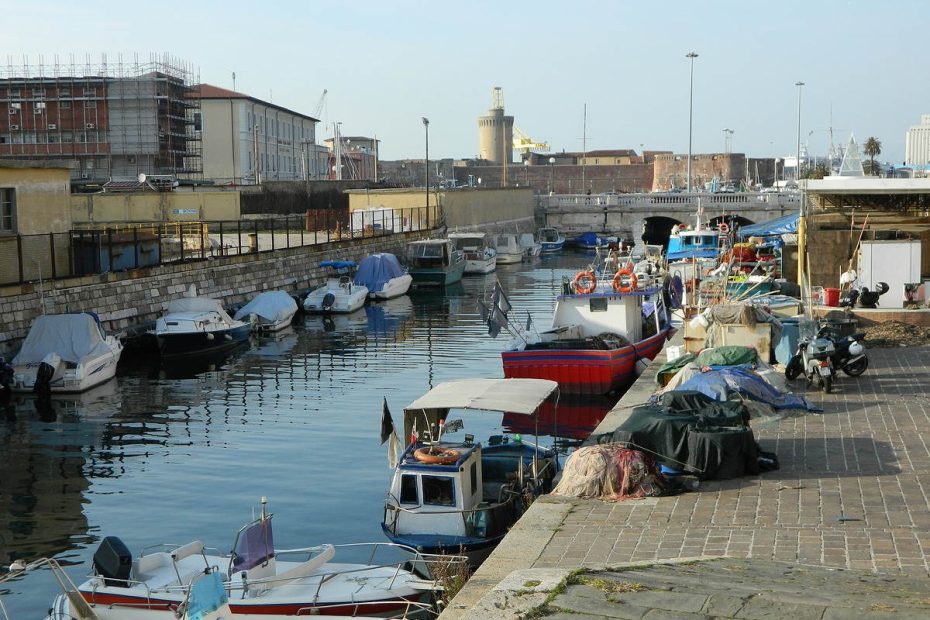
495	132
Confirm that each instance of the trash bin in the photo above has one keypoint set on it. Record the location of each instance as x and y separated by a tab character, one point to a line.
831	297
840	328
788	342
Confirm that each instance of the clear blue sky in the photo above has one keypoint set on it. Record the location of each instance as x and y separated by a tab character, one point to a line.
388	63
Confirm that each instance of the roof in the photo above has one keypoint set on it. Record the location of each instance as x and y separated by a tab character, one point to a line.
611	153
209	91
508	395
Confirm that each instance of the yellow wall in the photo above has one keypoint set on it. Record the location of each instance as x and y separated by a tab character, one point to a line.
461	207
156	206
41	198
604	161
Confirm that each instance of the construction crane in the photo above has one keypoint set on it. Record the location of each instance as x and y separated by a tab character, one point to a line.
524	143
319	105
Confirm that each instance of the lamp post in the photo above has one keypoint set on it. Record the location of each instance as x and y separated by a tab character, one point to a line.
691	56
426	127
797	169
551	163
526	172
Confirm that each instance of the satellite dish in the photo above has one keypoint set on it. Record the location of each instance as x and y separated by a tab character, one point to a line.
141	177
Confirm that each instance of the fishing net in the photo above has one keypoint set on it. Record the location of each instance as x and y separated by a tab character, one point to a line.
610	472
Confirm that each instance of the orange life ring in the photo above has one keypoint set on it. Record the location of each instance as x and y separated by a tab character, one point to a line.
582	276
723	227
618	281
442	456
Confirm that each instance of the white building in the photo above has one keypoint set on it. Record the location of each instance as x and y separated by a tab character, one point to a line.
247	141
917	143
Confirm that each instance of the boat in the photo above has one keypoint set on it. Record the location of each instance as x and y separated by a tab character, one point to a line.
258	579
606	326
695	251
460	496
531	248
64	353
338	294
383	276
550	240
592	241
509	250
435	262
269	311
194	326
479	256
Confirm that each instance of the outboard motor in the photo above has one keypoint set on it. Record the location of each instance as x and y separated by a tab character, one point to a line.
113	562
45	373
328	300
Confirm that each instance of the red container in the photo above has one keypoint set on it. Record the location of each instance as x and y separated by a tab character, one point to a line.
831	297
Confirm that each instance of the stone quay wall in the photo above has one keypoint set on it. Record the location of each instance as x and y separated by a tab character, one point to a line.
129	301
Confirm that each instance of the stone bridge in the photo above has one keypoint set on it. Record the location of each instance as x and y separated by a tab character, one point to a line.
650	217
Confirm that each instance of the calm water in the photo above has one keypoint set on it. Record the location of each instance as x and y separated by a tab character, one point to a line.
182	453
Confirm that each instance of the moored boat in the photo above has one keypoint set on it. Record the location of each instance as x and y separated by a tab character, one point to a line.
509	250
383	276
531	247
435	262
591	241
269	311
550	240
338	294
193	326
479	256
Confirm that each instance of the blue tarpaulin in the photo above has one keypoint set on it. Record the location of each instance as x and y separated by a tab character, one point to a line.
779	226
375	270
338	264
719	384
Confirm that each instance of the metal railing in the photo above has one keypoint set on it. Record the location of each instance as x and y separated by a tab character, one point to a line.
91	249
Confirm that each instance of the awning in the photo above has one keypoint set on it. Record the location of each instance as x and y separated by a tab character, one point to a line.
779	226
509	395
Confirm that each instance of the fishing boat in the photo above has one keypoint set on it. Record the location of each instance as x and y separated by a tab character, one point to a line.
479	256
269	311
338	294
550	240
460	496
64	353
509	250
195	326
258	579
383	276
435	262
604	327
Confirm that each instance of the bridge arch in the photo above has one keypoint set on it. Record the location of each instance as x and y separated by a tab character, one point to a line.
657	229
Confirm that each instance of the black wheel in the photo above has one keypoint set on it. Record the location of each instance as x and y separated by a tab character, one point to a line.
793	368
856	368
826	382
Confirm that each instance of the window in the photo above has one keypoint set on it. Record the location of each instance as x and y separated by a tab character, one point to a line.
7	210
67	137
64	92
38	92
198	121
474	478
90	92
64	105
598	304
15	92
438	491
408	490
90	104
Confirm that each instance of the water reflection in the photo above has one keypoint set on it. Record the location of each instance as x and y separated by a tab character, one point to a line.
568	418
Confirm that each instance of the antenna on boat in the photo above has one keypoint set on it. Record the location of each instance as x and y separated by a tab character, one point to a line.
264	503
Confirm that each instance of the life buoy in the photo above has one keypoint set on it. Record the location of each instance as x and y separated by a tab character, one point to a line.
723	227
619	286
580	278
437	456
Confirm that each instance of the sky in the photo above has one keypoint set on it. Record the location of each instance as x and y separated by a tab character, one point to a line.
387	63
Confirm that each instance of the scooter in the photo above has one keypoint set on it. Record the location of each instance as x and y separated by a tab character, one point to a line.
849	353
813	358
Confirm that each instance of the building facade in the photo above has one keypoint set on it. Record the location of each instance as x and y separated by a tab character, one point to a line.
359	157
917	143
114	122
249	141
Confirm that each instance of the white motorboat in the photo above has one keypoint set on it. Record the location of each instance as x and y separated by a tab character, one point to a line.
257	580
269	311
339	294
195	326
509	250
462	497
65	353
383	275
531	249
479	256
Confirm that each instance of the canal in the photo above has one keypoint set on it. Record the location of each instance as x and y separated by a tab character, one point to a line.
177	453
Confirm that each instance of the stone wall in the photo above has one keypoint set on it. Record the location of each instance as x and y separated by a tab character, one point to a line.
672	170
563	179
129	301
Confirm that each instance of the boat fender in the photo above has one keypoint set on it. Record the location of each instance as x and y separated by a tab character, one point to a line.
584	282
227	336
625	281
438	456
209	336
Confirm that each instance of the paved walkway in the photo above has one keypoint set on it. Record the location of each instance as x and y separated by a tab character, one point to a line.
853	493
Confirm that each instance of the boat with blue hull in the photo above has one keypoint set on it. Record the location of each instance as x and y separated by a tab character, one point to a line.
193	326
550	240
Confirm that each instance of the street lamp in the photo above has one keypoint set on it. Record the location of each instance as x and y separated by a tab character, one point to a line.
526	172
551	162
797	169
691	56
426	127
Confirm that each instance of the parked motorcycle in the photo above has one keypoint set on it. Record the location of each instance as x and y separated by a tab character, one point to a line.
813	358
849	352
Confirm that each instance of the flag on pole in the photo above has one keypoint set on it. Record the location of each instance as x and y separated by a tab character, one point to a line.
389	434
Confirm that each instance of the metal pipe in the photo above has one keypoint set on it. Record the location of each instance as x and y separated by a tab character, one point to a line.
691	56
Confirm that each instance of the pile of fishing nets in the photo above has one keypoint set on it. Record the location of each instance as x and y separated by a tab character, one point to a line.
610	472
896	334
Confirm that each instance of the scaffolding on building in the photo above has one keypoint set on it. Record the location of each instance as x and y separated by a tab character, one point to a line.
116	119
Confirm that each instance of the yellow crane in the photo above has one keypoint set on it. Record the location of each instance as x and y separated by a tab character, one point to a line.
524	143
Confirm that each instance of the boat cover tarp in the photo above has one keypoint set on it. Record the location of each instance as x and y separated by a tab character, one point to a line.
779	226
719	384
270	305
730	355
71	336
338	264
610	472
196	304
376	270
690	431
589	239
510	395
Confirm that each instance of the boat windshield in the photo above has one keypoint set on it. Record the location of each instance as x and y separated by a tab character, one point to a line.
254	545
426	250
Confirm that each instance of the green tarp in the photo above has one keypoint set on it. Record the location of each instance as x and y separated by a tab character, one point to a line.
727	356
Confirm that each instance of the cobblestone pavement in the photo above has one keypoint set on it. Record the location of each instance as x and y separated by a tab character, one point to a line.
853	492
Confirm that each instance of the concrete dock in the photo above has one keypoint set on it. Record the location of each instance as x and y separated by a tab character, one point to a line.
849	505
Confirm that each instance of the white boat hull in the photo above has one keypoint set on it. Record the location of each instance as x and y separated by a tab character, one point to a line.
509	258
480	266
346	298
89	373
395	287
